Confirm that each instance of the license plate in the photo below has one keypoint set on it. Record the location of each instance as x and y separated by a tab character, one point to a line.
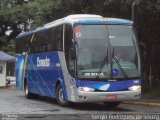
111	97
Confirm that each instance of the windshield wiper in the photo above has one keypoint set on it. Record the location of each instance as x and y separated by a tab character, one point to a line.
119	65
102	65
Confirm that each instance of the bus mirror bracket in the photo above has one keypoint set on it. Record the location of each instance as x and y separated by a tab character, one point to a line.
73	49
72	53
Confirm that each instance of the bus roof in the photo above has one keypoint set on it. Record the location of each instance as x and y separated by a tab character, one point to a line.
80	19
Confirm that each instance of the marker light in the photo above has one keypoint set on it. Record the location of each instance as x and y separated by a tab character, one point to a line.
86	89
135	88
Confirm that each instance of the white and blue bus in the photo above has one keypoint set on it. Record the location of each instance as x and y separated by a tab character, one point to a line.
80	58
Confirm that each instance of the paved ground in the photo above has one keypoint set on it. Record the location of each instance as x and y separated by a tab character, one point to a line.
13	102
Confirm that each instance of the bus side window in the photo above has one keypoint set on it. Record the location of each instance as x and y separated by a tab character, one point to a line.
27	46
48	39
33	44
58	37
68	36
41	41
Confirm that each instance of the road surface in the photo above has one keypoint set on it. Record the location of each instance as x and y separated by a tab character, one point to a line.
13	104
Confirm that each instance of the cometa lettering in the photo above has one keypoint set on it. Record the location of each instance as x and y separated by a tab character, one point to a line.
43	62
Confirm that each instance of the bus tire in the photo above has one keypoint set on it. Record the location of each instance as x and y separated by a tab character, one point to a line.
60	97
112	104
26	90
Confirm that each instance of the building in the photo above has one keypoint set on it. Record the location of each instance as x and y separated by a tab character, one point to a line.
4	58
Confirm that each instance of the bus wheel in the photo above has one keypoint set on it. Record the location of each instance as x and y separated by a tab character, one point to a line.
60	97
112	104
26	90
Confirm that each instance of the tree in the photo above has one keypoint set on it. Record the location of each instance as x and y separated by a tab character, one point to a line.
15	17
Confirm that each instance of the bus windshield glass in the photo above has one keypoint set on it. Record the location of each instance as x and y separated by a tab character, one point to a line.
106	51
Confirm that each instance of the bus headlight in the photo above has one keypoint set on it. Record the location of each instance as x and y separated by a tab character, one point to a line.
86	89
135	88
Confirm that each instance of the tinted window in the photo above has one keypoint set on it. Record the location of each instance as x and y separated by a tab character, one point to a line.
68	36
44	41
41	41
58	38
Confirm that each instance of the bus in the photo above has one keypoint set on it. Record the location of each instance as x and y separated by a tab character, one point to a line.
80	58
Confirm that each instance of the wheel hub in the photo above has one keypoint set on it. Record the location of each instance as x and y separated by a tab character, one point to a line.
61	98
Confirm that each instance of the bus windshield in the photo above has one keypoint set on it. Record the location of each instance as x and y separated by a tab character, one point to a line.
106	51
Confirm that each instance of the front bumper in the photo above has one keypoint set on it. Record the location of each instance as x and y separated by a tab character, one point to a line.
103	96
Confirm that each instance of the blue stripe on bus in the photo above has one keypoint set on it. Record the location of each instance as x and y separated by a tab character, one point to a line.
120	21
106	21
41	79
108	86
90	22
